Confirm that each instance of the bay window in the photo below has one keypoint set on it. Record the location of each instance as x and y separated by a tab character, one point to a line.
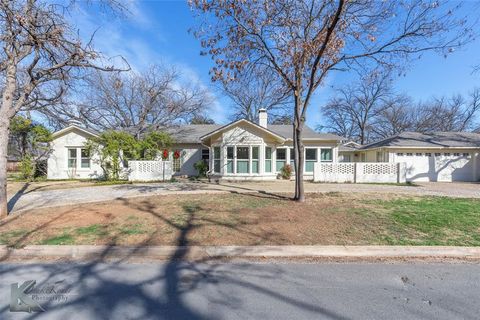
230	158
243	158
255	159
268	159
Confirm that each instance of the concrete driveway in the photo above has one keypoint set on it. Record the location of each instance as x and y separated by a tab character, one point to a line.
29	199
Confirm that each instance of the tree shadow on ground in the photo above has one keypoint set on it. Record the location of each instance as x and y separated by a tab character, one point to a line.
108	289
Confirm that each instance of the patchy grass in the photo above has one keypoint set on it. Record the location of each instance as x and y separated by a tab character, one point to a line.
61	239
252	219
430	221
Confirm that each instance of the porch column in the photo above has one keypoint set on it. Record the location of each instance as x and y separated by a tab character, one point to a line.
261	159
287	155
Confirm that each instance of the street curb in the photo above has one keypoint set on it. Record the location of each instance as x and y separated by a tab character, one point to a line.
174	252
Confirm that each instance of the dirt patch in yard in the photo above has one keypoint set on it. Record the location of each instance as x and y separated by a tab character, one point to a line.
251	219
194	220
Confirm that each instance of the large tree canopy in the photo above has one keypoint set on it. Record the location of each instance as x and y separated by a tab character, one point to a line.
302	41
136	102
41	55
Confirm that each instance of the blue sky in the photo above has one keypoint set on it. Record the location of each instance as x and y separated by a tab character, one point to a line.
157	32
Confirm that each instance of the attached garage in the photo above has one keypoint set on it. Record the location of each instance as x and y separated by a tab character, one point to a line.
439	156
446	166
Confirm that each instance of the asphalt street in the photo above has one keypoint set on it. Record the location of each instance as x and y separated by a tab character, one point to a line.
244	290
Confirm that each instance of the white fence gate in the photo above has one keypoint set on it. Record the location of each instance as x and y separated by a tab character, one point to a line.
359	172
149	170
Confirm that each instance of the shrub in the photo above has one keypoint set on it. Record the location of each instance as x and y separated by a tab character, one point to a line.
201	167
27	167
286	172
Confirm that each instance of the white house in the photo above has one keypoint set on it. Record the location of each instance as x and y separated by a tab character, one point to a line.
240	150
69	159
438	156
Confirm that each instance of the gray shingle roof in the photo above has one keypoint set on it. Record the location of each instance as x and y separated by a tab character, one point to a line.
429	140
192	133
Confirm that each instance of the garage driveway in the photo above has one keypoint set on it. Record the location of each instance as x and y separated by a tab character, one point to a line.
26	200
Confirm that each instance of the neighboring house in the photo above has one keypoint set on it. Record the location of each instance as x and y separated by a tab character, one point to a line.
240	150
348	152
439	156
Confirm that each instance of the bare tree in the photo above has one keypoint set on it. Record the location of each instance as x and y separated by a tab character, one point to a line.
395	117
134	102
40	55
447	114
399	113
354	112
201	119
254	90
302	41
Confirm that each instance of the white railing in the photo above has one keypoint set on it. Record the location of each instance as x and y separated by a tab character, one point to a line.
149	170
359	172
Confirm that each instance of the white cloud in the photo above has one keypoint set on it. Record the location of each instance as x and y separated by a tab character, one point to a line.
124	37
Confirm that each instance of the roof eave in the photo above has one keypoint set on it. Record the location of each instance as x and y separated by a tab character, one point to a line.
66	129
231	124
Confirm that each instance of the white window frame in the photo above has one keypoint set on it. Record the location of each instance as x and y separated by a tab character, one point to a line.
316	158
89	158
284	160
331	154
75	166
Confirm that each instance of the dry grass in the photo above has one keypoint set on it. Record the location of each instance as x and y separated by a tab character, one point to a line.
235	219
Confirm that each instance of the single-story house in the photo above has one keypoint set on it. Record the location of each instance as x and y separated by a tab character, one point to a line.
240	150
438	156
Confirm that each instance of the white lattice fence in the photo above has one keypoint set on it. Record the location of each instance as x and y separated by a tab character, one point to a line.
149	170
377	172
359	172
334	172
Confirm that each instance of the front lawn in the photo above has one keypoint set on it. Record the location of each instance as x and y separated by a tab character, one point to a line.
252	219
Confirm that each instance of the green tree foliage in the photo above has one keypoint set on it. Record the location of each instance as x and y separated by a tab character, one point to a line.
201	168
153	142
115	148
30	141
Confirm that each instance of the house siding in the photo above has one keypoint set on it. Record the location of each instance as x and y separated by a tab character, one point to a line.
58	159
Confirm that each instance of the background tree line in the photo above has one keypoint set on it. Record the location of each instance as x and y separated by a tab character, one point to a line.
370	109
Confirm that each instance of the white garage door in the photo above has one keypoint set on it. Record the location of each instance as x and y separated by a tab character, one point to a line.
441	166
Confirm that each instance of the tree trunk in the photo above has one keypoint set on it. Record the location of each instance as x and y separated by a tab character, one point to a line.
298	124
6	113
3	167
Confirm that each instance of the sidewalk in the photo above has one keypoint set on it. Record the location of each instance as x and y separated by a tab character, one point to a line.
69	252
